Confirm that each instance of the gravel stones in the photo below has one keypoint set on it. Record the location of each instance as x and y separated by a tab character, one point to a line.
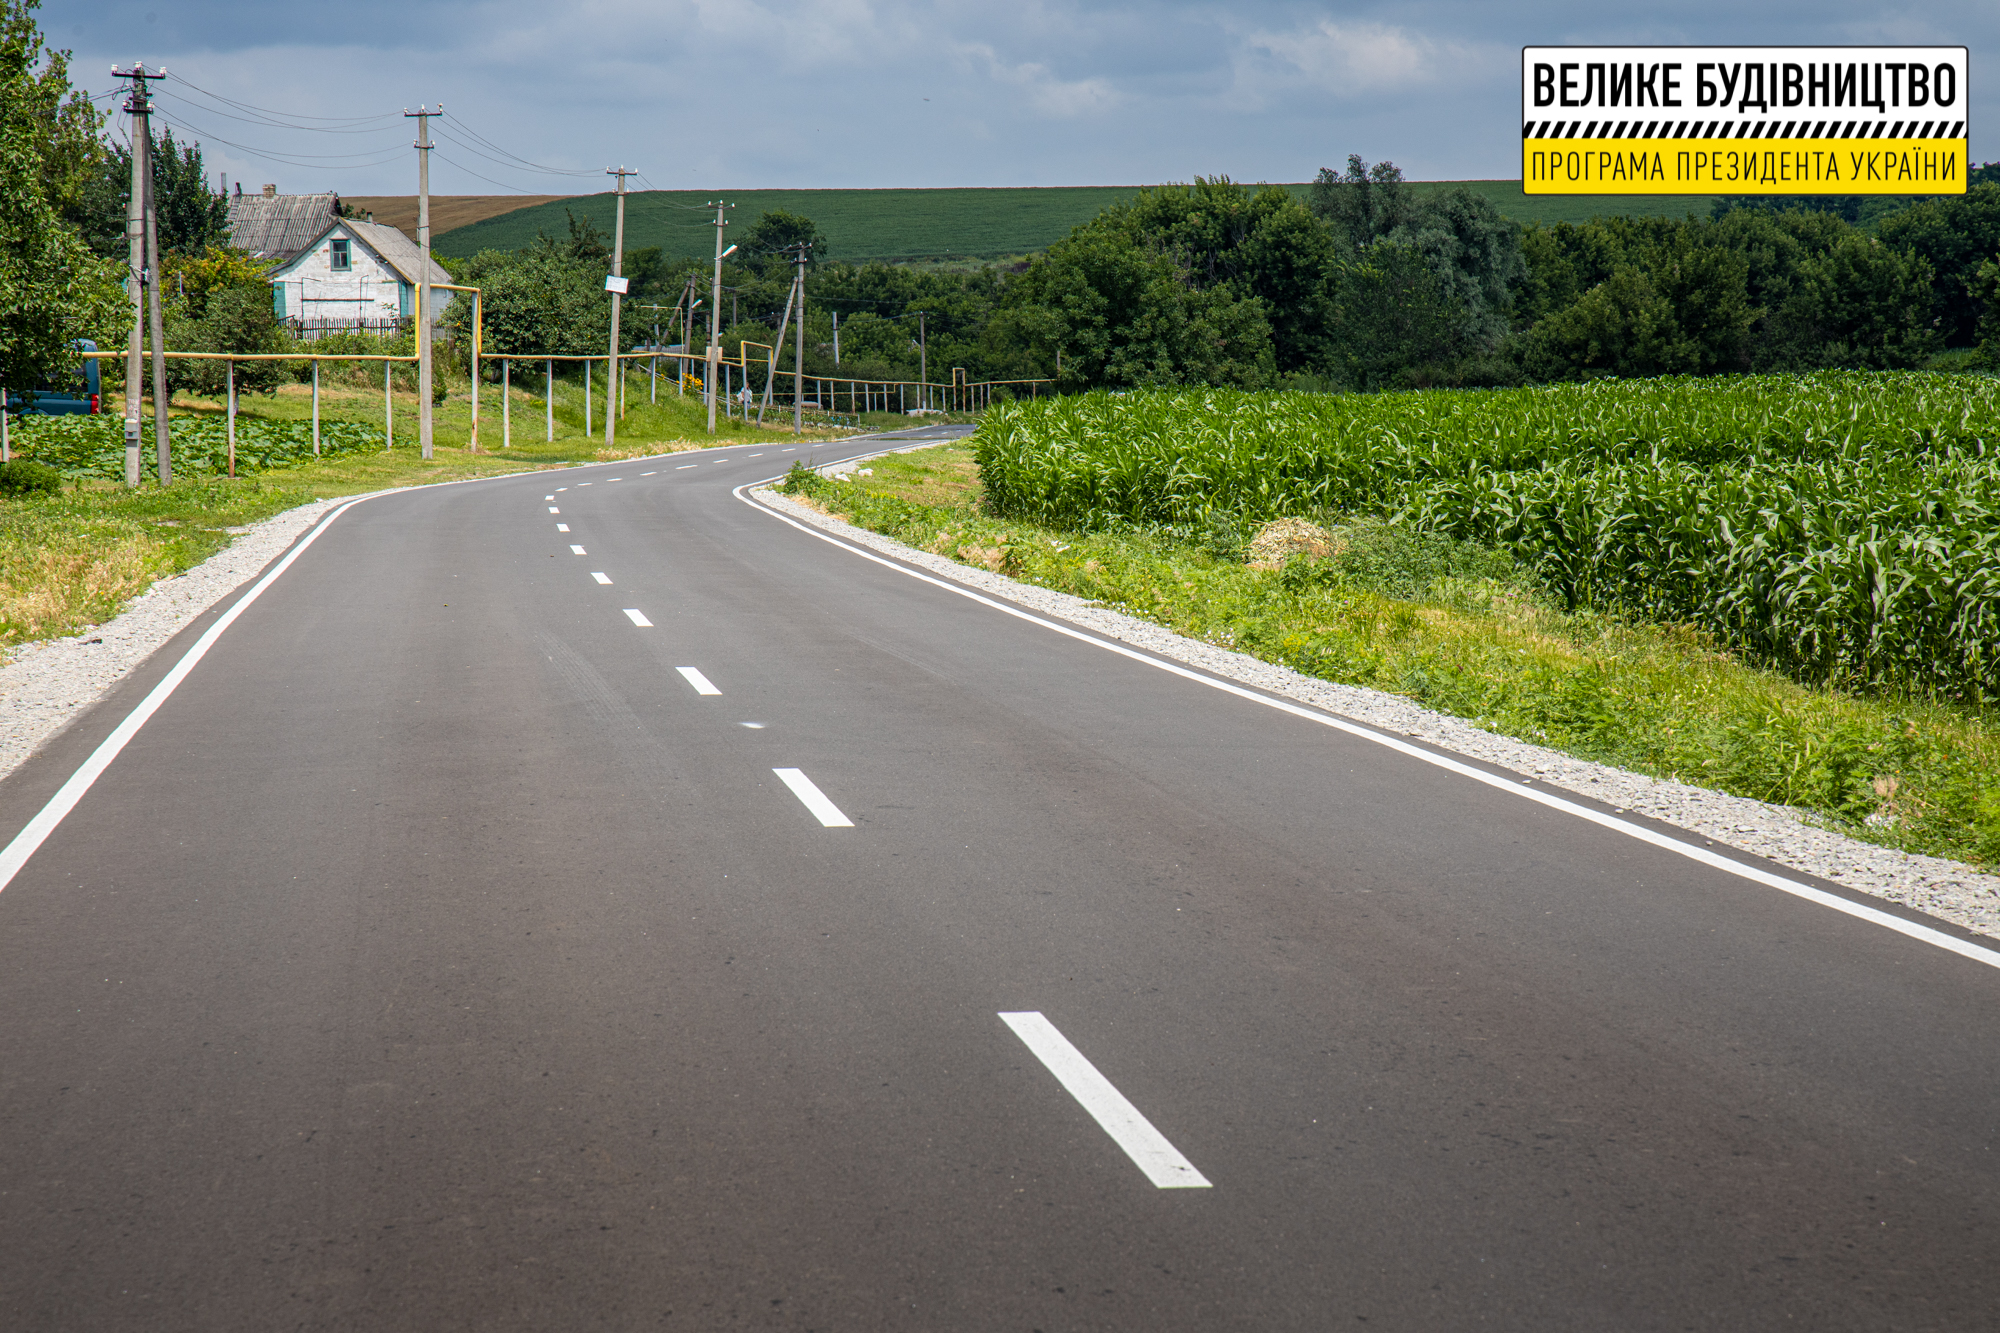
1941	888
46	686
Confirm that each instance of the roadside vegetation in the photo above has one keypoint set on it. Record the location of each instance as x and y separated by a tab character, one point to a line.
72	556
1469	629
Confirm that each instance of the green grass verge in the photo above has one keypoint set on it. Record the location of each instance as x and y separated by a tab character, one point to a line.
1460	628
72	560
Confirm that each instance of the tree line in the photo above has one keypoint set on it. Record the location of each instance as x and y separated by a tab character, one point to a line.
1367	283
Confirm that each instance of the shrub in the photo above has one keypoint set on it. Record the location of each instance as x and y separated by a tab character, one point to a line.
26	477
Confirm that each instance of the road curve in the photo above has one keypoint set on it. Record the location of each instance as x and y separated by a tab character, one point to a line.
583	900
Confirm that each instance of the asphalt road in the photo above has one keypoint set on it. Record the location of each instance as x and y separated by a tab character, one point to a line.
440	956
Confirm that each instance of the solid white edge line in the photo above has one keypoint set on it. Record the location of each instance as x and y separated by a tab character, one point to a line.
814	799
1146	1146
1797	888
701	683
30	839
638	617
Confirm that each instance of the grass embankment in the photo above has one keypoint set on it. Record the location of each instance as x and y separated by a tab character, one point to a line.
71	560
1464	629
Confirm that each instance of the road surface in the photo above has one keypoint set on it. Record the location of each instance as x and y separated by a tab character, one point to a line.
584	900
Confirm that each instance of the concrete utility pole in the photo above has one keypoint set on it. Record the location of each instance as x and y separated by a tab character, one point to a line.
714	365
923	364
615	284
771	375
139	108
163	451
799	343
423	147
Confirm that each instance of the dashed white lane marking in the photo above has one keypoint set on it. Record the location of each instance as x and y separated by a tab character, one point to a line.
609	479
649	474
1146	1146
577	550
638	617
685	466
600	577
786	451
554	510
559	491
548	497
586	483
754	726
814	799
700	682
562	527
753	455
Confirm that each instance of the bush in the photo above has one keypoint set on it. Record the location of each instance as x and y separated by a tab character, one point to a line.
25	477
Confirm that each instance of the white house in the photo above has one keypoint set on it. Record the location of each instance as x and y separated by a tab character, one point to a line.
353	275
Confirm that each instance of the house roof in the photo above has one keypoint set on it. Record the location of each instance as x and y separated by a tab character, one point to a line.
279	226
396	249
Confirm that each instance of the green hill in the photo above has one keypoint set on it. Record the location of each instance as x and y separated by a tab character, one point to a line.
936	224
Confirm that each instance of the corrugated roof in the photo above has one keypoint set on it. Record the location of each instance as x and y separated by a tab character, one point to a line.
399	250
278	226
396	249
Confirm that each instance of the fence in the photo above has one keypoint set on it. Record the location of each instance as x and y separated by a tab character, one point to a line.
958	395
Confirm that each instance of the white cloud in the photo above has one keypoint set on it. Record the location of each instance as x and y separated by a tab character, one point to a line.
1344	59
1048	94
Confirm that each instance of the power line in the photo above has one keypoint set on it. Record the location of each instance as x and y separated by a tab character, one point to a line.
510	157
246	106
274	124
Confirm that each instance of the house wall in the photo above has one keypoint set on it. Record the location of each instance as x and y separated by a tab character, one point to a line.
368	293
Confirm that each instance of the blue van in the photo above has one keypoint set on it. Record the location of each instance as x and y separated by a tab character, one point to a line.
75	394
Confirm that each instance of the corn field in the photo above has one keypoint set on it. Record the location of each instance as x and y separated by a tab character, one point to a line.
1844	527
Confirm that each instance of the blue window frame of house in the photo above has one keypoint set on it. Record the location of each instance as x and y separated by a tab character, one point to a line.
278	299
405	292
343	257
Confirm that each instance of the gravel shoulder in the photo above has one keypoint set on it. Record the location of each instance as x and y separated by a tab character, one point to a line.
1944	889
45	686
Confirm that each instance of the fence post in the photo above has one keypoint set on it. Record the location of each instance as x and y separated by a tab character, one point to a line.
232	418
388	408
586	398
506	407
549	400
315	407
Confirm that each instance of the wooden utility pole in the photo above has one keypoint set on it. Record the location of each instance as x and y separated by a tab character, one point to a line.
423	147
139	108
615	284
714	364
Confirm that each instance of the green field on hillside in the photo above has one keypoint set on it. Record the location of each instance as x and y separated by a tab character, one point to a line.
912	224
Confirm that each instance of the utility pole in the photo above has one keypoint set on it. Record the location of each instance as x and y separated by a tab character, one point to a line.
715	316
771	376
163	451
799	343
615	284
139	108
423	147
923	364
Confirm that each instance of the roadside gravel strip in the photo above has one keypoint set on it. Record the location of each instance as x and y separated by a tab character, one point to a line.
46	686
1940	888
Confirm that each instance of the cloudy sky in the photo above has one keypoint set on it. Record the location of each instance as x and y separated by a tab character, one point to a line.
701	94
